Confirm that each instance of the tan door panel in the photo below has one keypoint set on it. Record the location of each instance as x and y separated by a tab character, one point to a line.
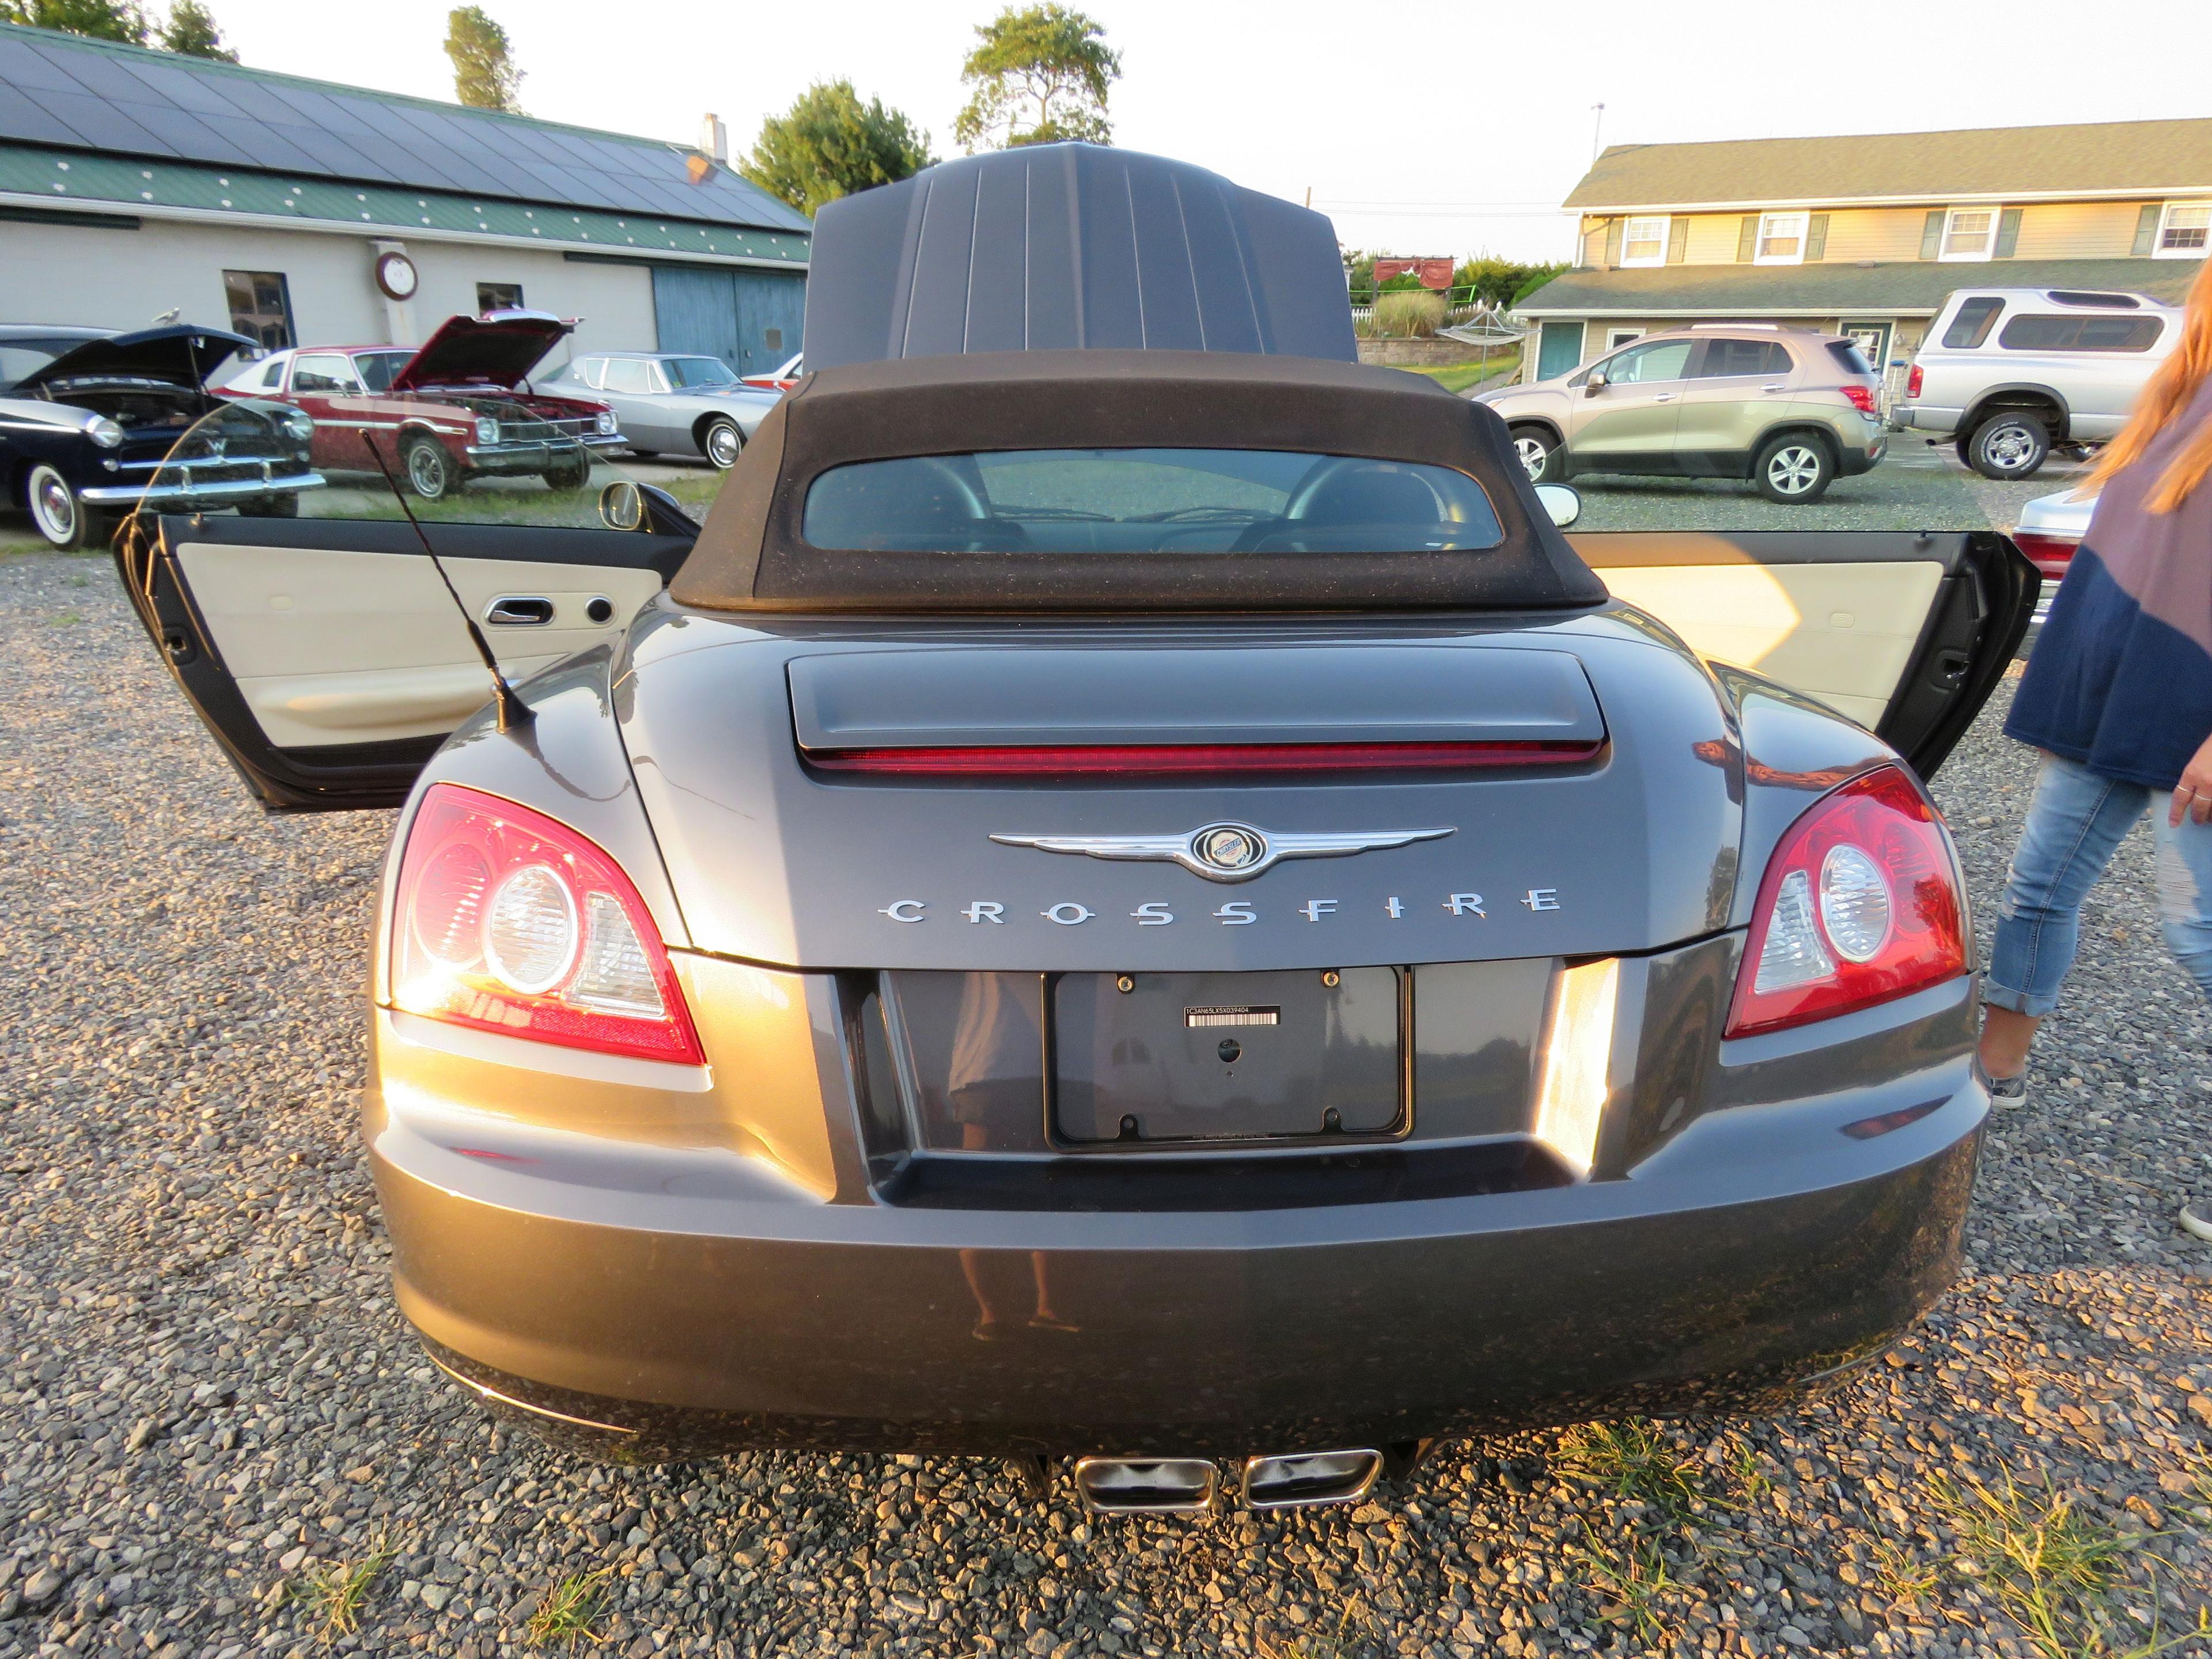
1842	633
341	647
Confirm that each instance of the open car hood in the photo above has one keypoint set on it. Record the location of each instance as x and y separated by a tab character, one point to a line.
180	352
498	350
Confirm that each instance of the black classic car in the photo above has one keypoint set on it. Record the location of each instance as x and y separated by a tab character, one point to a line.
1129	895
88	417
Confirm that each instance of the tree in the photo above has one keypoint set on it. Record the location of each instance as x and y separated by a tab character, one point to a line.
99	20
1044	61
191	31
485	75
828	145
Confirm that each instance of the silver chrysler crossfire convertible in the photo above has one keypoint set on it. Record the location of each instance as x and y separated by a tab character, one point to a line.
1129	897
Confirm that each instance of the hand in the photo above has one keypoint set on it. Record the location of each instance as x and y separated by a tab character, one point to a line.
2193	794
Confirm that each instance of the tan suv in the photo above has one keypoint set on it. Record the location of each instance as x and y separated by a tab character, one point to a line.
1789	409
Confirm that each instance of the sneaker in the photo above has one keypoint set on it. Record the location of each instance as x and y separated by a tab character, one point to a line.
2009	1092
2197	1216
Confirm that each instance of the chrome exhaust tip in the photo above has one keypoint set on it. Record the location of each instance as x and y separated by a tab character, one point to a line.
1299	1480
1146	1486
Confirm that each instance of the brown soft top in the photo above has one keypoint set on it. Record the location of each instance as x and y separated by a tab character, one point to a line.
751	556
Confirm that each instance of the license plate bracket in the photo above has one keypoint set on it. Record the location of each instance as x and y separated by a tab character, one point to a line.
1300	1053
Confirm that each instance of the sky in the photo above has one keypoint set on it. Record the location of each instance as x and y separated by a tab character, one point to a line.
1434	126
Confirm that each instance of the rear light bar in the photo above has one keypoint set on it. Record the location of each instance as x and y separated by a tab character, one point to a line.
509	921
1187	760
1862	902
1863	399
2050	554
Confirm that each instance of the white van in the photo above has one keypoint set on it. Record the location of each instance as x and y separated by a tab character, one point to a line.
2011	371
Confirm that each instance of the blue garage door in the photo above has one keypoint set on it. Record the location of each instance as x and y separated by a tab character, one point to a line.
1560	349
750	320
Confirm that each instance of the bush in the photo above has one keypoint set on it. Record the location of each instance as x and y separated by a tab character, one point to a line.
1413	314
1404	282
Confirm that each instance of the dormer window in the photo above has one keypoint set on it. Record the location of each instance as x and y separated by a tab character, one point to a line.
1643	241
2182	230
1969	233
1781	239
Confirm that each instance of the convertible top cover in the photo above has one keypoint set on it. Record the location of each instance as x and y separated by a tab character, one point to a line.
752	555
1048	247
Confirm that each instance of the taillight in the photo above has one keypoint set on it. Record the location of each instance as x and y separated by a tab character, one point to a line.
1863	399
1200	759
2051	554
1913	382
1861	903
511	922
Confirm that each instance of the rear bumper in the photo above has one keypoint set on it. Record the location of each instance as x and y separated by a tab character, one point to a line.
1926	417
691	1308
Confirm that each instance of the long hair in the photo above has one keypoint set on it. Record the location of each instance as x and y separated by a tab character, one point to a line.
2170	391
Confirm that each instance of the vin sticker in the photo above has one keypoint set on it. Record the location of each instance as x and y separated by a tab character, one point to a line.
1270	1015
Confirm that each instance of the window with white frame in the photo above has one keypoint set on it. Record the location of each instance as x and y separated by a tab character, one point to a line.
1971	233
1781	239
1643	241
1617	337
2182	229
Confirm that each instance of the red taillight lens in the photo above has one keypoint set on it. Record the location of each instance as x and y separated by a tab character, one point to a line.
1912	383
1861	903
511	922
2051	554
1198	759
1863	399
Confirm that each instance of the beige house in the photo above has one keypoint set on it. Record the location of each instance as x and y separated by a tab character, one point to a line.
1866	235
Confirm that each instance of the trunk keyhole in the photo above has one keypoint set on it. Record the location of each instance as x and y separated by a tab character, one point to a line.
1230	1049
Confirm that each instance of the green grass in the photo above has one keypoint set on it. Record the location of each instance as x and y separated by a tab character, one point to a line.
2051	1568
1458	376
1637	1462
335	1595
566	1614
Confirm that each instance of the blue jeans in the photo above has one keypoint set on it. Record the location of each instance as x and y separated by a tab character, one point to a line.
2074	822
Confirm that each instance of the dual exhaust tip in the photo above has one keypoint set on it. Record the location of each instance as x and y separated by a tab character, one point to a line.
1189	1485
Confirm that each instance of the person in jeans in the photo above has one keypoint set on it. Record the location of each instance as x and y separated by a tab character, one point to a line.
2118	697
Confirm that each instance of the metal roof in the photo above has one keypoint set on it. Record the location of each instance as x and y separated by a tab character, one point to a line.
1071	246
98	186
1909	287
69	93
2106	158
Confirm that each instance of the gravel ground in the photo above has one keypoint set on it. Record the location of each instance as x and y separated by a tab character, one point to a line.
217	1440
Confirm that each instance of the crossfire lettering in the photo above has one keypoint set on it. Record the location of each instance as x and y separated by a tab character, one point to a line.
1237	913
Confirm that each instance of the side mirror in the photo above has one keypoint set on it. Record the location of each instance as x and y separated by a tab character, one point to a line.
1562	504
1596	384
622	506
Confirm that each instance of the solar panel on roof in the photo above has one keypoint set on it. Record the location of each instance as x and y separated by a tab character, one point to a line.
57	90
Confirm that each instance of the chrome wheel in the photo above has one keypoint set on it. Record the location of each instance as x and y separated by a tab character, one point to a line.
724	443
429	472
1792	469
54	508
2012	448
1534	453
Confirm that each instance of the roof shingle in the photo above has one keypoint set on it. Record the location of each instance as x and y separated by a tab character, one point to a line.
1752	291
2029	162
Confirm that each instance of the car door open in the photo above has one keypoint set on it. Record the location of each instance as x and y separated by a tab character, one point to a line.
1904	632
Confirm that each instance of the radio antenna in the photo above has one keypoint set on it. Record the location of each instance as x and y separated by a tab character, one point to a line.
513	711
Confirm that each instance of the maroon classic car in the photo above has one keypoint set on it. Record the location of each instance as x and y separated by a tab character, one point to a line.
457	407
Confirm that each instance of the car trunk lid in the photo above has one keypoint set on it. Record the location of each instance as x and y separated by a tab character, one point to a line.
1617	833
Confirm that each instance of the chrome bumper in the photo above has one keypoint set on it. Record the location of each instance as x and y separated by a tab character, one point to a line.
228	489
544	445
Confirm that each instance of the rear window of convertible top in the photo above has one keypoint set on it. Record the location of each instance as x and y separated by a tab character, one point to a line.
1146	501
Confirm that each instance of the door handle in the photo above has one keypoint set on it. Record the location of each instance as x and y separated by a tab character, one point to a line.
520	610
1666	396
1776	386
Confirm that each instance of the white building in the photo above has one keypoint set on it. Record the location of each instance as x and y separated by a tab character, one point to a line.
135	183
